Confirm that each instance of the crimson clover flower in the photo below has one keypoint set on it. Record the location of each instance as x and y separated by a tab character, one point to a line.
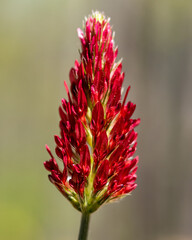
97	138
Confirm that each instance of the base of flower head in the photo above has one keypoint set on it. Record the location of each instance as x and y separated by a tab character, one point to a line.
100	186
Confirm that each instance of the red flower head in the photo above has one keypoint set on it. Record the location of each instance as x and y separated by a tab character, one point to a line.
97	137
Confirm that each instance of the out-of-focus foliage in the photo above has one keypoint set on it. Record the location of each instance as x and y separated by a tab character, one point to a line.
38	46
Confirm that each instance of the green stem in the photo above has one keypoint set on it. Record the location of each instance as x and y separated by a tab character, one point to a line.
84	226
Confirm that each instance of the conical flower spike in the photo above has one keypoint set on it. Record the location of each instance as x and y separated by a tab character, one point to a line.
97	134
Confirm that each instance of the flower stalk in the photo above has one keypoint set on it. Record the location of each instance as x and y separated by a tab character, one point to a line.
84	227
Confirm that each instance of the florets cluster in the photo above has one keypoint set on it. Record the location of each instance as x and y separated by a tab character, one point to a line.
97	138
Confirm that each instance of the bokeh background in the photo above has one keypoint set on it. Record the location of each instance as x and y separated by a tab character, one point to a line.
38	46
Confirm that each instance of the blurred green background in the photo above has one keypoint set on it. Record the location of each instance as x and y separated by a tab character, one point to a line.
38	46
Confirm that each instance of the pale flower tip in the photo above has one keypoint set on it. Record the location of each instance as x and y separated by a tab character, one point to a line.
47	147
66	87
138	122
48	150
80	33
99	16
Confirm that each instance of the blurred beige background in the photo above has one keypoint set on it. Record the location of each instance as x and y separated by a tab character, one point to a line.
38	46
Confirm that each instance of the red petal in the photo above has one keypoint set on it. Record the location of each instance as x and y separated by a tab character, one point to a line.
116	74
58	141
62	115
100	150
82	101
109	56
89	70
72	75
51	165
126	95
97	121
107	71
101	176
88	31
49	151
80	134
64	174
85	160
67	90
81	36
59	152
